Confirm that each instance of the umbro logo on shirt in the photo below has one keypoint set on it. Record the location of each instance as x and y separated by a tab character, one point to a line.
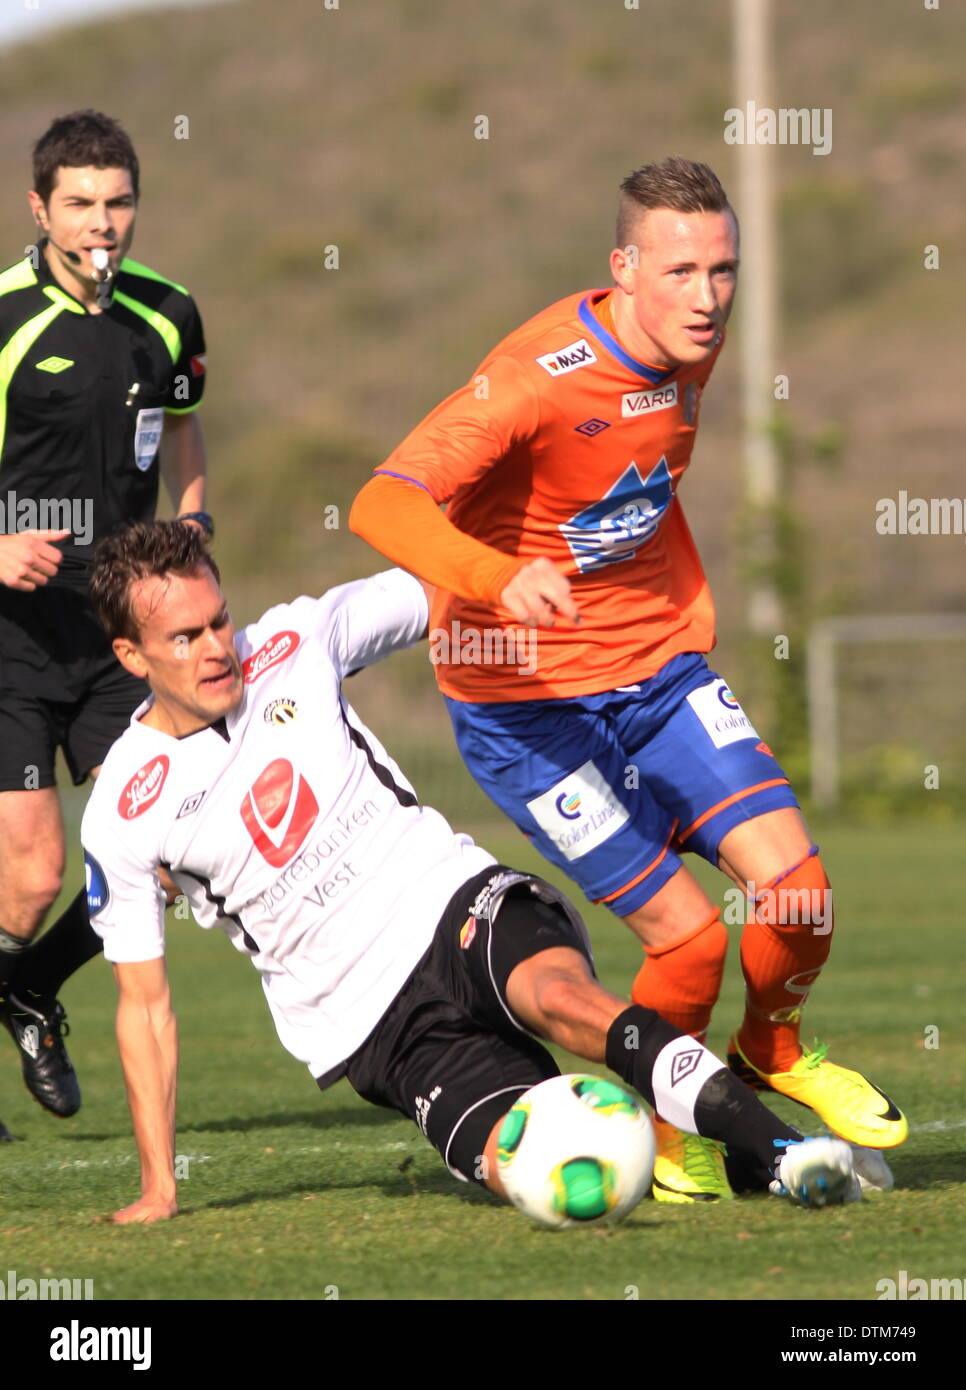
568	359
53	364
191	804
592	426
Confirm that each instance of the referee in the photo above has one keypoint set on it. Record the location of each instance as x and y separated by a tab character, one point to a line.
102	368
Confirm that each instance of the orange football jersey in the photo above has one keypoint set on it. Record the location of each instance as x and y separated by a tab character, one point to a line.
563	445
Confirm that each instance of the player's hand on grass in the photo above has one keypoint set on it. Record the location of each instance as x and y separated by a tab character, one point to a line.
145	1210
539	593
28	559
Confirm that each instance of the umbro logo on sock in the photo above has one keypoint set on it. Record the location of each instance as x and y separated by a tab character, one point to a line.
684	1064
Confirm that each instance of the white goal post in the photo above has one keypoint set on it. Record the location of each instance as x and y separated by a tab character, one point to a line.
823	701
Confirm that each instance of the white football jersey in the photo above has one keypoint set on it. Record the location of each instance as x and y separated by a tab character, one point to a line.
287	825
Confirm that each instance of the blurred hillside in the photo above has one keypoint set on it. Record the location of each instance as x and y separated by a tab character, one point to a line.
354	128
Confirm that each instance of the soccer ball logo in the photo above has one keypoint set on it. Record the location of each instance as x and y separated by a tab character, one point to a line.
576	1150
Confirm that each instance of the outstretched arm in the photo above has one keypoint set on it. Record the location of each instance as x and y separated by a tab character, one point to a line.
147	1038
404	522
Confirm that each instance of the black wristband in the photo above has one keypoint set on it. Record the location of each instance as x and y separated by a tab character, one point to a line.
204	519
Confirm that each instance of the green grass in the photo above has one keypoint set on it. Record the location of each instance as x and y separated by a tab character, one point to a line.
290	1194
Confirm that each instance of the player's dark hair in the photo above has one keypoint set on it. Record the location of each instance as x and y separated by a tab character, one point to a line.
142	550
82	139
676	183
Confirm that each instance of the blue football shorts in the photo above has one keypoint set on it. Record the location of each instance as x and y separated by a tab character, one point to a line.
613	787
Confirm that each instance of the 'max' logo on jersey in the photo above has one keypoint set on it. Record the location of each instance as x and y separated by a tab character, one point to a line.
144	788
568	359
643	402
279	812
269	654
624	519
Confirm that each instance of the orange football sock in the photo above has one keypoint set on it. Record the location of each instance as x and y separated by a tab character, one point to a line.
681	981
786	942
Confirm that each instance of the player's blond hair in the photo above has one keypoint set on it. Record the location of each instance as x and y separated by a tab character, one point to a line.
680	184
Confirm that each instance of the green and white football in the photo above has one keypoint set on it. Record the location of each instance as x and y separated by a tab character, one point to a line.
575	1151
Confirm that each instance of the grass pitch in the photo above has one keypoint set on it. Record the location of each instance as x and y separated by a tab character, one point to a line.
288	1194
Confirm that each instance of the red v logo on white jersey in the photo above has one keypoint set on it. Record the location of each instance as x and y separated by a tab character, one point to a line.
279	812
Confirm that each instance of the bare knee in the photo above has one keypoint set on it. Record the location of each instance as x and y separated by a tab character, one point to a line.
673	913
30	891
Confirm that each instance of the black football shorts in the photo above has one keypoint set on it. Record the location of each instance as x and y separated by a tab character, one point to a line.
61	686
448	1053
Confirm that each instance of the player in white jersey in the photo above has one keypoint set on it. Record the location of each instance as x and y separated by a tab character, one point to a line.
391	950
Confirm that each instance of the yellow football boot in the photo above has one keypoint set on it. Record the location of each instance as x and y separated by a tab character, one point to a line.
688	1168
849	1104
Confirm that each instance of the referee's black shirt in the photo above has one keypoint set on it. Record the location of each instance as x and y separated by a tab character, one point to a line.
82	400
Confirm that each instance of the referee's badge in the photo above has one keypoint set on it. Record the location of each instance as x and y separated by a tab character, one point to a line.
147	436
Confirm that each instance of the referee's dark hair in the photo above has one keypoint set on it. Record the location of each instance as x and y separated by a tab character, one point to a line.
680	184
81	139
141	550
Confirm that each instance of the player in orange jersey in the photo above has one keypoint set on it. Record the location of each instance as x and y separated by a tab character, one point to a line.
569	633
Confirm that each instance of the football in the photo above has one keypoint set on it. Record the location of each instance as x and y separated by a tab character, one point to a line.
576	1150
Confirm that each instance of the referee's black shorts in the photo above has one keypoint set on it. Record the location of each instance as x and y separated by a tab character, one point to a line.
448	1053
61	686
